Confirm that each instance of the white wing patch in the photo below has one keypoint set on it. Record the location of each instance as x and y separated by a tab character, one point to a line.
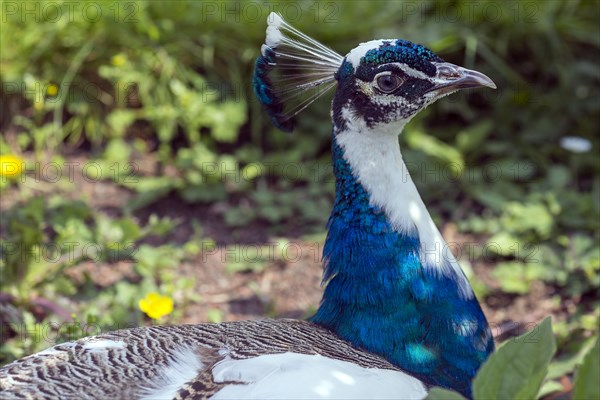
184	366
303	376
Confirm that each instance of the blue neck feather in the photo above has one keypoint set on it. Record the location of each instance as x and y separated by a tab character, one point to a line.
379	297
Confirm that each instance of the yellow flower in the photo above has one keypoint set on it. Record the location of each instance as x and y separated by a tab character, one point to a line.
11	166
119	60
52	90
156	306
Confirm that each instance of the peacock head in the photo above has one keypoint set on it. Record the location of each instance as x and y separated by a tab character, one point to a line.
384	83
380	84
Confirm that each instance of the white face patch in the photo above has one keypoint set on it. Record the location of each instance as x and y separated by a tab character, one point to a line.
396	106
366	87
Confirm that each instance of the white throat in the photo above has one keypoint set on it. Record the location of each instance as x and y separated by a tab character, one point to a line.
374	156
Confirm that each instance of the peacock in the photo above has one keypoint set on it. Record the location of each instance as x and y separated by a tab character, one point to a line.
397	316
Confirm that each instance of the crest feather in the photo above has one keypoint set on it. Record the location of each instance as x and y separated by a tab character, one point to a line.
292	71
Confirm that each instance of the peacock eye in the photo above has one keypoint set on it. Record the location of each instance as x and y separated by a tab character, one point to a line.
388	83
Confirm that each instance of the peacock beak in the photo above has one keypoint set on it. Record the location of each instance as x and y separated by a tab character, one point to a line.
450	77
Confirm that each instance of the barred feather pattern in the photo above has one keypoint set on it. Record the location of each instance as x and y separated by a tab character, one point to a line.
128	369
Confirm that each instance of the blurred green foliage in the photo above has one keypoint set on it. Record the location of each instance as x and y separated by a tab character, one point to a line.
43	238
172	80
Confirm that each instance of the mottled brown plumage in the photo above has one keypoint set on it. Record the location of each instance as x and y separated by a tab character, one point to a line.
72	371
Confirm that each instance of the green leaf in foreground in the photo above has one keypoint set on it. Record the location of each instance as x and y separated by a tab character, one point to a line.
586	380
517	370
438	393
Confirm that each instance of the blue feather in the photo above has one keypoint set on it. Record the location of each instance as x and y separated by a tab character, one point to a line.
264	91
379	297
414	55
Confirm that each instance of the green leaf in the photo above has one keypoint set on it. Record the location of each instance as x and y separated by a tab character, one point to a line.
117	151
586	380
226	119
532	216
120	120
504	243
214	315
550	387
204	193
494	199
471	138
149	190
438	393
517	370
559	177
434	147
567	364
510	275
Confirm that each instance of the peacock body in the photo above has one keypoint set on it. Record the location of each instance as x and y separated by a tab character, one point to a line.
398	314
